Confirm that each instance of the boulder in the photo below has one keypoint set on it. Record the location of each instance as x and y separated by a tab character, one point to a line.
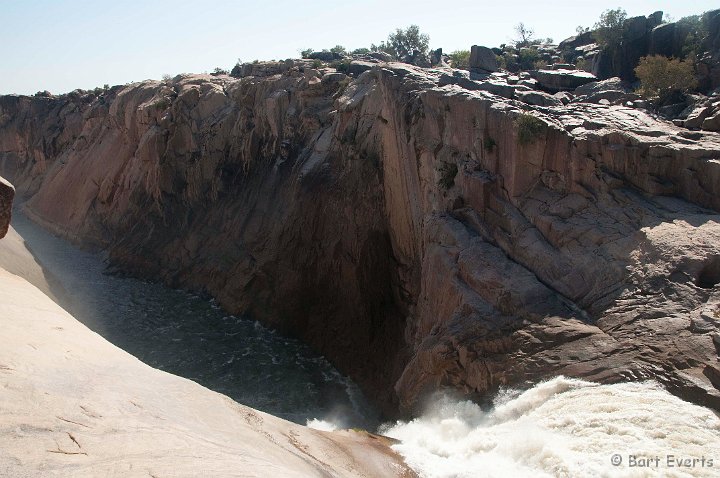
655	19
7	193
562	80
662	40
491	86
610	84
333	77
610	91
576	41
436	56
564	97
673	110
697	116
482	58
538	98
613	97
381	55
325	56
357	67
634	28
712	123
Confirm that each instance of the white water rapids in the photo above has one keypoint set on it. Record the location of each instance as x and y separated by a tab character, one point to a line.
564	428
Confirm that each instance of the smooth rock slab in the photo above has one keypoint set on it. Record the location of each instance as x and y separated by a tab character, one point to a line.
75	405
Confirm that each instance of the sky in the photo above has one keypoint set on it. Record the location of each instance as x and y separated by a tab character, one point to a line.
63	45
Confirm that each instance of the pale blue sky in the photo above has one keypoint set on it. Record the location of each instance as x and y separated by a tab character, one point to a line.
63	45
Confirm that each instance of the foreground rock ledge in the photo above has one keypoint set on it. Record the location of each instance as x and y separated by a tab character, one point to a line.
72	404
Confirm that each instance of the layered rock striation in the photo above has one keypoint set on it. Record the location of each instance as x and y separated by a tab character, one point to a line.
422	230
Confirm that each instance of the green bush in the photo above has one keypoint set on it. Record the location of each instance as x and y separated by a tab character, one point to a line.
489	144
609	29
460	59
583	64
402	43
697	32
161	104
528	57
339	49
343	66
306	53
530	128
661	76
448	171
361	51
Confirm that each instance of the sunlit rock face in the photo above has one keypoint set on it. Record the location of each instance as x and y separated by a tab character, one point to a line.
421	236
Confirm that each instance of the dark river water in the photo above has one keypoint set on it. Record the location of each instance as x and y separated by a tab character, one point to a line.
186	335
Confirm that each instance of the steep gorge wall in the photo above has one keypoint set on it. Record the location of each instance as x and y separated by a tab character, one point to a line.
399	227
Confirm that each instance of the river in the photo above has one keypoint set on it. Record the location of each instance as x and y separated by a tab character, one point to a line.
187	335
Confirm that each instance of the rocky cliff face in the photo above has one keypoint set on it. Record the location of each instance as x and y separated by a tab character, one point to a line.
419	235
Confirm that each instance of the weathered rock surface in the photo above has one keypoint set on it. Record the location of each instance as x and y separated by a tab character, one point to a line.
75	405
399	226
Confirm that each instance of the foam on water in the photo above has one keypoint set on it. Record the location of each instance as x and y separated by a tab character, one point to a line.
562	427
323	425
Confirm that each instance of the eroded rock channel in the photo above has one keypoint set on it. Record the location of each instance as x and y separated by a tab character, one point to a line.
192	337
402	224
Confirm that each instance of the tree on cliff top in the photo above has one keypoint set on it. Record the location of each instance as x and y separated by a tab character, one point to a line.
403	43
525	36
609	29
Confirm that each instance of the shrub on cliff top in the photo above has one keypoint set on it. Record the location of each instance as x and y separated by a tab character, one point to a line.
530	128
661	76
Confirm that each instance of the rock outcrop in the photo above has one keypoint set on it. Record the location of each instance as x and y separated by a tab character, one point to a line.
7	194
413	230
